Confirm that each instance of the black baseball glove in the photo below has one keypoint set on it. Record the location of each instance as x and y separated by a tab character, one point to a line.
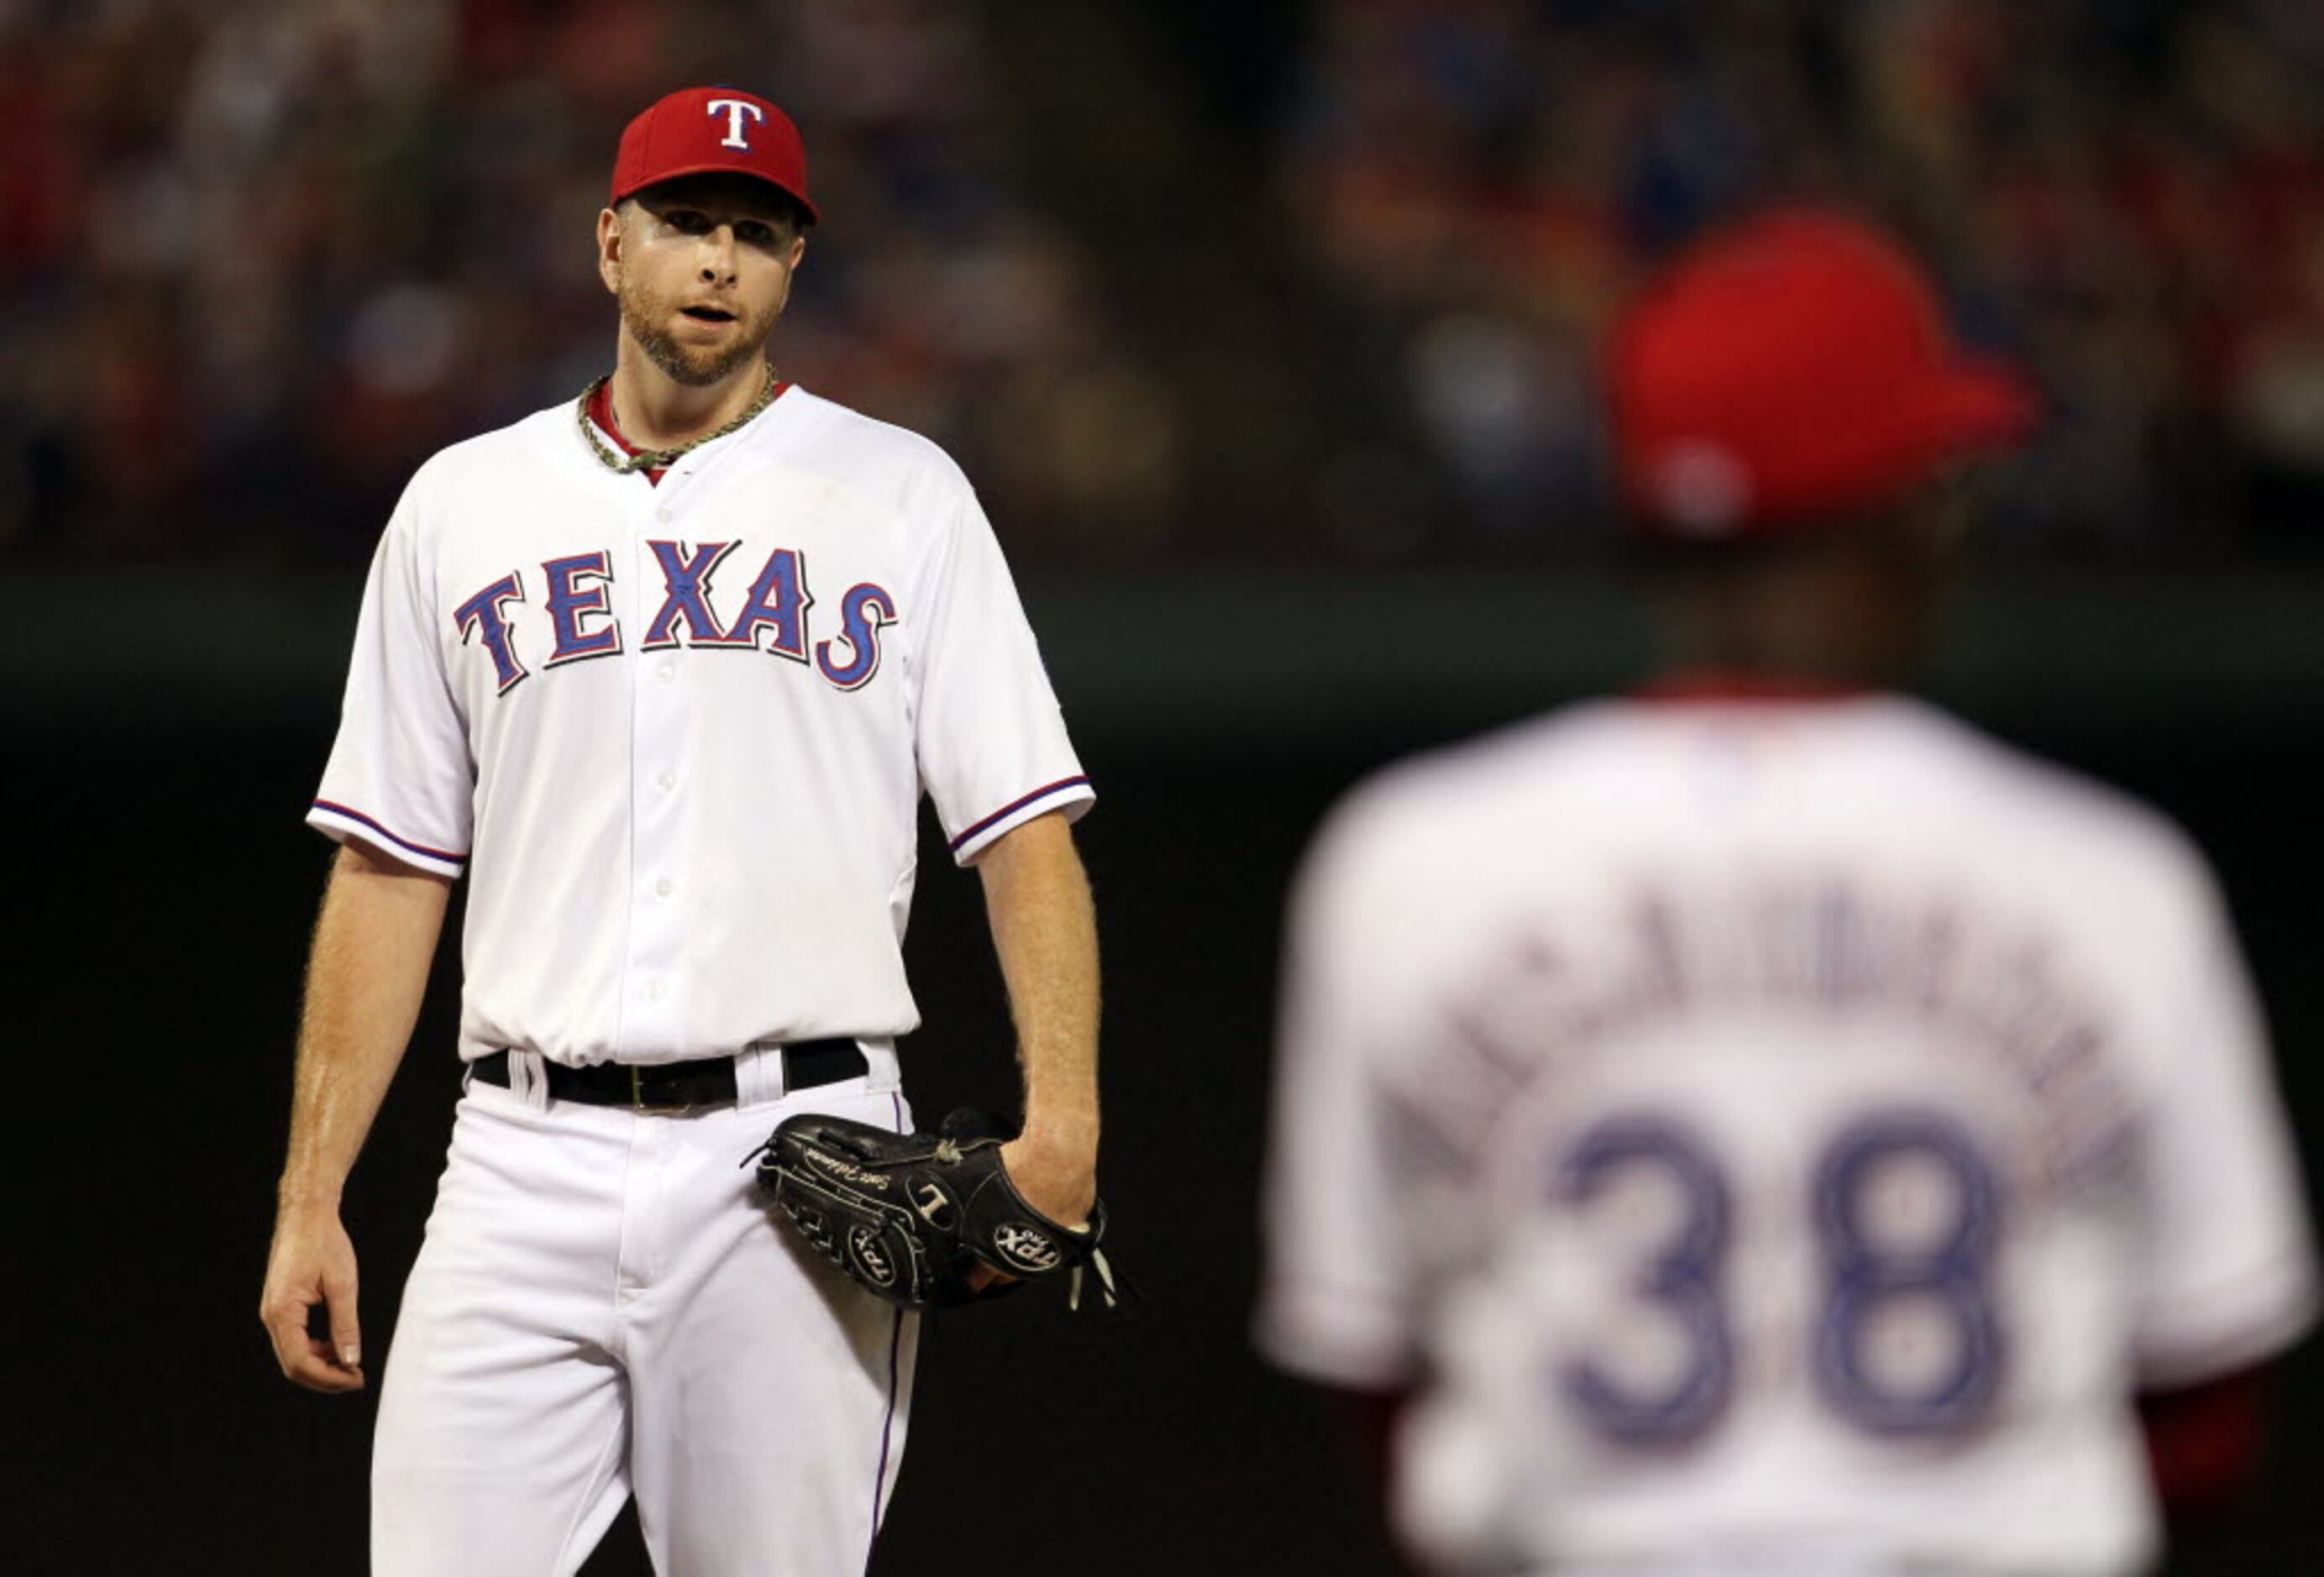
911	1215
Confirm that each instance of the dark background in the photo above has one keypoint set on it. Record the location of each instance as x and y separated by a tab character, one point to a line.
1288	572
167	897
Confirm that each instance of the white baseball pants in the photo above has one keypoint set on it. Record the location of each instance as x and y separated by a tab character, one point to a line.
603	1307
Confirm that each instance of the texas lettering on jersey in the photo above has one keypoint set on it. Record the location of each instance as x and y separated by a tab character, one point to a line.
770	617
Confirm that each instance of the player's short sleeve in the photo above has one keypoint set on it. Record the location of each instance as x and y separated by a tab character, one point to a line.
400	778
991	740
1336	1302
2228	1276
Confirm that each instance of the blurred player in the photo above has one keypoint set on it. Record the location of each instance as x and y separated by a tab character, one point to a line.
1766	1126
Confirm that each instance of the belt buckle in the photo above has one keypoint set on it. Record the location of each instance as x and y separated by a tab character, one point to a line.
638	1096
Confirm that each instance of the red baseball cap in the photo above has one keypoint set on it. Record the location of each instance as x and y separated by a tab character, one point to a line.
1788	368
701	131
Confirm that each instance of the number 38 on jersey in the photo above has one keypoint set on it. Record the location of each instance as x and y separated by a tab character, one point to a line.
1871	1281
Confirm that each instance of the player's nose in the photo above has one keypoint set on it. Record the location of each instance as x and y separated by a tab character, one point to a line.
718	253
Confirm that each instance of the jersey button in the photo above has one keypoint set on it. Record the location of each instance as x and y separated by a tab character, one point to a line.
666	671
662	888
667	781
656	991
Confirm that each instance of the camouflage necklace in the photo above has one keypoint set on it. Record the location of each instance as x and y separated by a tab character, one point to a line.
662	459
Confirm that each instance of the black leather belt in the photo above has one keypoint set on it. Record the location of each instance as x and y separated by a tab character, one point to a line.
673	1086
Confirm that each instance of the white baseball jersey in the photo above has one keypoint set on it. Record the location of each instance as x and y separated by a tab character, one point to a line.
1771	1136
684	728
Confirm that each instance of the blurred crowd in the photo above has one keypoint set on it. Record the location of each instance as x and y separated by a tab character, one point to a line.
259	257
2127	194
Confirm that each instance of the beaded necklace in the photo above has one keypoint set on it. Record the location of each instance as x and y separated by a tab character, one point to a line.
662	459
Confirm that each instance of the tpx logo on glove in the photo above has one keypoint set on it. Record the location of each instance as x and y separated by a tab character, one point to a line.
1026	1246
875	1264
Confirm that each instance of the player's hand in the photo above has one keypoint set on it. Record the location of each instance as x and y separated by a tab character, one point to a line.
1057	1177
312	1261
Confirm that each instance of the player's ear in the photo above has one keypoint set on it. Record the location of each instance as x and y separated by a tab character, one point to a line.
609	249
795	251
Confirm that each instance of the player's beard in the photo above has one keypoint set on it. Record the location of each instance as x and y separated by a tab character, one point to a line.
694	366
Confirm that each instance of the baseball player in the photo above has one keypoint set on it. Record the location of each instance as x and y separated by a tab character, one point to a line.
663	672
1761	1124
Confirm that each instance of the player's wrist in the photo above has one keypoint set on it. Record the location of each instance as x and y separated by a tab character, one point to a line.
305	1195
1067	1134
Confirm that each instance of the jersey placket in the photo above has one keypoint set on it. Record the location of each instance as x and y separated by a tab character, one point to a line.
653	978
